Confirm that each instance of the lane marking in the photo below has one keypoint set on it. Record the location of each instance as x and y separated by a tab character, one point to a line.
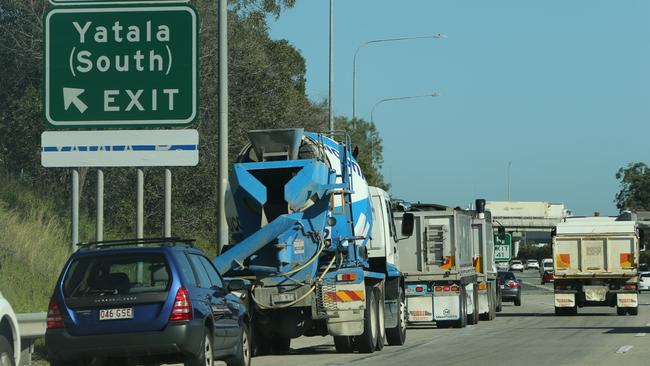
640	335
624	349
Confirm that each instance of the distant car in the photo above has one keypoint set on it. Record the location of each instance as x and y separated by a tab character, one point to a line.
531	263
546	265
644	281
516	265
510	287
547	277
163	302
9	335
503	266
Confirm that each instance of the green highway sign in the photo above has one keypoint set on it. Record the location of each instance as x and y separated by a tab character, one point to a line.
502	248
95	2
121	66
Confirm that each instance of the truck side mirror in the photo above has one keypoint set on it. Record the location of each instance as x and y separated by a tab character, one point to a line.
408	222
501	233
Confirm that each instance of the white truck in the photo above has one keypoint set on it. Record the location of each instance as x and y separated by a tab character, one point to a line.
383	253
484	265
595	264
437	262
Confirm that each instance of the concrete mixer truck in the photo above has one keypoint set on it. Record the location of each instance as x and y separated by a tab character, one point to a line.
302	220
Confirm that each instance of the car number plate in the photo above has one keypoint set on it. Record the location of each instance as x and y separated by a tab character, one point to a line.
116	314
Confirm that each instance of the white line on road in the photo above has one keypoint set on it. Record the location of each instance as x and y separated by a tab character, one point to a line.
624	349
640	335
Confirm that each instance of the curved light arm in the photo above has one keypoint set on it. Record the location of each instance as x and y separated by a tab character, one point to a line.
372	112
356	53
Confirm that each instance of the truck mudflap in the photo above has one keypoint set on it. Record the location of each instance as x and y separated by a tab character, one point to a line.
419	302
483	298
627	300
565	300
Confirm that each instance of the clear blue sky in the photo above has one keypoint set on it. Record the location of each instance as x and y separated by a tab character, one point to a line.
560	88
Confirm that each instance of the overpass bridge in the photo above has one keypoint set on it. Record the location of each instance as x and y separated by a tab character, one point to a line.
527	216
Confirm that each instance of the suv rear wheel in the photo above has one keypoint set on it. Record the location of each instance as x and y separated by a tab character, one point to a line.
205	356
6	353
244	350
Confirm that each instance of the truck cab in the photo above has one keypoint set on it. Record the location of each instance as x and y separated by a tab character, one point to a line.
384	257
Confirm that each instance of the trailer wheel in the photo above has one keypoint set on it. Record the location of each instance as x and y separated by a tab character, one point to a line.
397	336
621	310
367	342
381	322
633	311
343	344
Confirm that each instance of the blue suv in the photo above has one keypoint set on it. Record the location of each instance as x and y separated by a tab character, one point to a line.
145	301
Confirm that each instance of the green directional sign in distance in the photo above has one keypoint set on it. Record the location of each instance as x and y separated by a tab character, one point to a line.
121	66
502	248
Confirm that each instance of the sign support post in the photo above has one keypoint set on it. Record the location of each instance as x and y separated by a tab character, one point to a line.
168	203
100	205
75	210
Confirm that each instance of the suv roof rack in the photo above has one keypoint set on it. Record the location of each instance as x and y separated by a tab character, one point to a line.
125	242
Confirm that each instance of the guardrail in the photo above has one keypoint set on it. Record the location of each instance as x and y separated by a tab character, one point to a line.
32	326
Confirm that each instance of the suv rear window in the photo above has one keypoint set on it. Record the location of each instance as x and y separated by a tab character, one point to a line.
116	275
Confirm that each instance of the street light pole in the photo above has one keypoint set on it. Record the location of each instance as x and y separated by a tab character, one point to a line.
356	53
331	69
372	112
509	164
222	139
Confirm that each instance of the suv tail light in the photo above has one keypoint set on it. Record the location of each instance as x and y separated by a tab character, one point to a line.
54	317
182	309
512	284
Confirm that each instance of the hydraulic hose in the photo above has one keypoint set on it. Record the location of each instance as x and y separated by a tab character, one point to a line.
304	296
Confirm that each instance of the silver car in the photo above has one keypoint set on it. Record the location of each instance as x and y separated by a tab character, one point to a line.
9	336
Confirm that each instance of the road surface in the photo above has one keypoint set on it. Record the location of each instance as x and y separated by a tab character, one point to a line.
530	334
526	335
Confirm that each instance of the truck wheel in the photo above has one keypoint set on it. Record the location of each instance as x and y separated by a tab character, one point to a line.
621	311
343	344
462	322
367	342
397	336
381	328
633	311
6	352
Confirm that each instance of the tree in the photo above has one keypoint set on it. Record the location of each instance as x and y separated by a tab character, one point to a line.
635	187
266	90
365	137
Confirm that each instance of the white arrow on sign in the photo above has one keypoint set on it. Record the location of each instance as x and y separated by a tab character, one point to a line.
71	96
